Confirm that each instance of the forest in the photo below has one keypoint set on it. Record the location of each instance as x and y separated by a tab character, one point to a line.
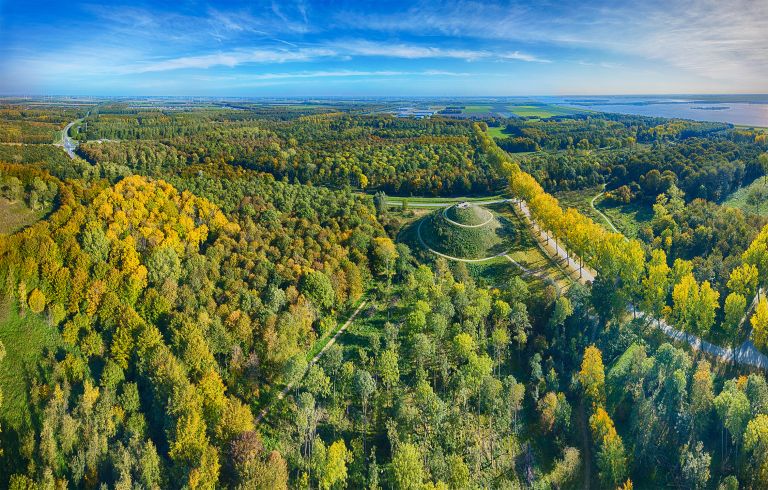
240	297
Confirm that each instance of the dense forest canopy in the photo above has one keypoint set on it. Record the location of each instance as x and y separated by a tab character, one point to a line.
174	313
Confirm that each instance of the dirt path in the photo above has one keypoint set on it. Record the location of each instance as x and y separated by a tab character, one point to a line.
607	220
585	446
317	357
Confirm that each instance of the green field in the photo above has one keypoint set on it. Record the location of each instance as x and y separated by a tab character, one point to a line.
497	132
542	110
477	109
752	198
15	215
25	339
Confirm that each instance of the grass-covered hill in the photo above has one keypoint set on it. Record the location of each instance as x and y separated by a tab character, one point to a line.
442	231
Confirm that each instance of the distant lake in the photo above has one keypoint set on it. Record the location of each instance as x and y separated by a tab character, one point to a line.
742	110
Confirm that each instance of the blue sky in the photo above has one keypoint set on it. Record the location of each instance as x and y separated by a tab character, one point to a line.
359	48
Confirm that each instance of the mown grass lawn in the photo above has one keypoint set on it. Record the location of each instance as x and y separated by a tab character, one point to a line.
427	200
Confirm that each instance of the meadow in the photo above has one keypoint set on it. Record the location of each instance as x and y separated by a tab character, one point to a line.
752	198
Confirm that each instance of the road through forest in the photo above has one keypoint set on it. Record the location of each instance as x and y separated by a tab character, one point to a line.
745	354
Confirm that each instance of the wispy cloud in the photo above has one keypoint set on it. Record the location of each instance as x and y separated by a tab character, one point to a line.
702	44
346	50
233	59
709	38
518	56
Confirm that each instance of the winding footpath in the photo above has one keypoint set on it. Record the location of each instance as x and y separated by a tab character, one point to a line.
449	257
607	220
317	357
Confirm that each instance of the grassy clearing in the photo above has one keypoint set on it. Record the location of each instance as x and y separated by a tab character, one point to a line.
752	198
25	339
15	215
527	253
627	218
471	215
497	132
542	110
342	318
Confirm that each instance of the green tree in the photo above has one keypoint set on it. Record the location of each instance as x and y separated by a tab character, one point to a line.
389	369
592	375
759	322
334	474
317	287
364	386
694	466
733	409
407	468
36	301
163	264
756	442
735	305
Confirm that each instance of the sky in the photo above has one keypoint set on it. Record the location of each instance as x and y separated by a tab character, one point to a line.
383	48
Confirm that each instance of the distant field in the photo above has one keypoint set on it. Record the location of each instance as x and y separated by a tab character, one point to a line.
15	215
25	339
741	198
522	110
542	111
497	132
477	109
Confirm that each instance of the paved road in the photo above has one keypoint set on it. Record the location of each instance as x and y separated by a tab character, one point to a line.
551	246
317	357
746	354
68	143
443	204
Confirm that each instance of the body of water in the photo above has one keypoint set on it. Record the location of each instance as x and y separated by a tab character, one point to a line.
741	110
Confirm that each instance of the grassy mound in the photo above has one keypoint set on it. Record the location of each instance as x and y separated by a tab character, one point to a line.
470	215
465	243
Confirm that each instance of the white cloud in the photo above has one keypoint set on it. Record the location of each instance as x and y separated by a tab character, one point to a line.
518	56
232	59
707	38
